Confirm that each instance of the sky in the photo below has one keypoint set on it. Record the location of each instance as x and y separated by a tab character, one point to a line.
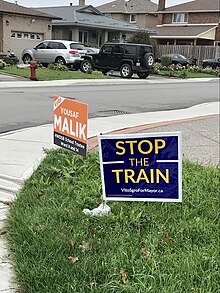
41	3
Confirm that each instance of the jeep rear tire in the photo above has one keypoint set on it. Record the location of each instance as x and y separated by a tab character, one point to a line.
148	60
86	66
126	71
143	75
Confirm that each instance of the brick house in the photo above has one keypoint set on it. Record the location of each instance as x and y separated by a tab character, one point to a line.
191	23
22	27
141	12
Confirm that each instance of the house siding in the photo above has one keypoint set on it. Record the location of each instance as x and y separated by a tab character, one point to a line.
217	36
143	19
167	18
120	16
206	17
23	24
1	33
194	18
147	21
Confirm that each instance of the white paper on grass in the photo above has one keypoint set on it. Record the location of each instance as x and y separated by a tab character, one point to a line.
101	210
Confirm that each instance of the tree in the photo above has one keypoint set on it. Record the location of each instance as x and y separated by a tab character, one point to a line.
140	38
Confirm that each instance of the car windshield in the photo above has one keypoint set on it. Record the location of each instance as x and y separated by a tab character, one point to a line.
77	46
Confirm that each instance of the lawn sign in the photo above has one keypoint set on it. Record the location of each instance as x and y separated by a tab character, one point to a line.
70	125
141	167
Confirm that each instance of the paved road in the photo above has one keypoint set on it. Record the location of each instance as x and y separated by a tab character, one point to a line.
31	106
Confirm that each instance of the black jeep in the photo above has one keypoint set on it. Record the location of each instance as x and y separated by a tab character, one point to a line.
126	58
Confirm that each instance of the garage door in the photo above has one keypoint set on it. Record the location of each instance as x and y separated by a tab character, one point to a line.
23	40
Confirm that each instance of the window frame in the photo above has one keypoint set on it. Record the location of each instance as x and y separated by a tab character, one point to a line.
135	16
183	17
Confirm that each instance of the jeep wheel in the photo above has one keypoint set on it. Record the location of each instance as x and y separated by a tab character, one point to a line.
143	75
86	66
148	60
104	72
126	71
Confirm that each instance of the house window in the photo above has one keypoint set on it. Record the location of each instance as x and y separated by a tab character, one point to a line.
180	18
133	18
83	37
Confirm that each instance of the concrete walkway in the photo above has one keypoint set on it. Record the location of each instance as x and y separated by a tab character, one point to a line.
22	151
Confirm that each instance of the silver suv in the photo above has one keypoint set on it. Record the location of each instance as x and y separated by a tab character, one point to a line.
55	51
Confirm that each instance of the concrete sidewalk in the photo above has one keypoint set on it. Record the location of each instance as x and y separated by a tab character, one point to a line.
22	151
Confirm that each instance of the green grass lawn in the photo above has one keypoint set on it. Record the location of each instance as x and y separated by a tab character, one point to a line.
48	74
138	248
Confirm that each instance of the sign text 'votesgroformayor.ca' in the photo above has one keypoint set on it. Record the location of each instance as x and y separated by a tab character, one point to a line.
141	167
70	125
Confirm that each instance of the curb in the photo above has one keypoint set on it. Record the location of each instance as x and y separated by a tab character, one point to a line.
92	82
93	141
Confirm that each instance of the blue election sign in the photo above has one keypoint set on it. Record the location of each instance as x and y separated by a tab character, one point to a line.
141	167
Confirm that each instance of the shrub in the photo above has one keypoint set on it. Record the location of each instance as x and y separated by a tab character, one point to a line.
217	72
58	67
97	73
2	64
14	59
165	60
183	74
157	67
172	67
179	67
90	71
194	68
140	37
171	74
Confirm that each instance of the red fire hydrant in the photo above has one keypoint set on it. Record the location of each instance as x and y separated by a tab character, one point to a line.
33	67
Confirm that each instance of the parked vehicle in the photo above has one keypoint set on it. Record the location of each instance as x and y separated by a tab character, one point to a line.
211	63
180	59
55	51
126	58
91	50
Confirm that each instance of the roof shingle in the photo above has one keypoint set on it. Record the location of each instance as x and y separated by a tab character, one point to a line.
182	31
6	7
132	6
87	16
196	5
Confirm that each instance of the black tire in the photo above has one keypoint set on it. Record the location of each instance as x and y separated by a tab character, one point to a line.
126	71
148	60
60	60
86	66
104	72
26	58
143	75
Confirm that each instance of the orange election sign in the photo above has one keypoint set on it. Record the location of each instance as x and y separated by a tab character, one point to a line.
70	125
